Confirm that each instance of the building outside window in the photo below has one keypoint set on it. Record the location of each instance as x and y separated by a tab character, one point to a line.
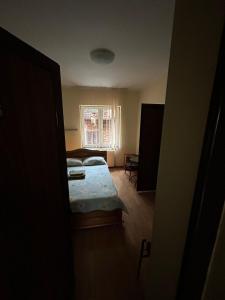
100	126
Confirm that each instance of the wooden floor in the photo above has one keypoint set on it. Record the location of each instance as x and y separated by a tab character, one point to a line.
105	259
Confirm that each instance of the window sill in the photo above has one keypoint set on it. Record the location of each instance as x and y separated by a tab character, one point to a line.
102	149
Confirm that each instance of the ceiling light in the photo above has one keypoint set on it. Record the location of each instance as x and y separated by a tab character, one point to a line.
102	56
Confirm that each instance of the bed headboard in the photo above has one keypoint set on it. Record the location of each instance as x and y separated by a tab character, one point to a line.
83	153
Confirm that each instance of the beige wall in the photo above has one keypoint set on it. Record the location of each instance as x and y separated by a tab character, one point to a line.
75	96
215	283
195	43
155	92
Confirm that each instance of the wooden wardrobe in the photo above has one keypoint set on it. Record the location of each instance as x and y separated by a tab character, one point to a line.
36	251
149	145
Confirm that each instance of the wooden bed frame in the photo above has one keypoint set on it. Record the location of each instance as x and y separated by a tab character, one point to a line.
84	153
96	218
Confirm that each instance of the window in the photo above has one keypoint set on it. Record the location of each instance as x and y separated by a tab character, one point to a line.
100	126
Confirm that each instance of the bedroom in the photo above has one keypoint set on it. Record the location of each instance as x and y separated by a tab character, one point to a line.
138	208
137	75
181	108
116	85
138	221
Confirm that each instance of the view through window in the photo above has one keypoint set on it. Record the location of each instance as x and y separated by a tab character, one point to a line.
100	126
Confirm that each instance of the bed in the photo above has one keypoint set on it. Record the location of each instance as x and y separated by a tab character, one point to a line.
94	200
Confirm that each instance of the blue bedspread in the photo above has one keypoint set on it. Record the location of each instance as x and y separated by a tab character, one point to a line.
96	192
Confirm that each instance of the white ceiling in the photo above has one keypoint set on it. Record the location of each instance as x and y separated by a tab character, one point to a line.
138	31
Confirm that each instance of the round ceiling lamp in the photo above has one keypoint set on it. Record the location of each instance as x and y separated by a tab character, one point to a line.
102	56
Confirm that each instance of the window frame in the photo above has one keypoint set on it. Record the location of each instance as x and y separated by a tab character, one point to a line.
115	127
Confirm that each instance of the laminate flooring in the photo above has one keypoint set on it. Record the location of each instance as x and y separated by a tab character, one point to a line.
106	259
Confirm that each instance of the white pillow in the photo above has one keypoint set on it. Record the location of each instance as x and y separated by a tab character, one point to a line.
94	161
74	162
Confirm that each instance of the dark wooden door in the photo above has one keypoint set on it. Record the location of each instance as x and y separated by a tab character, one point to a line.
35	241
149	146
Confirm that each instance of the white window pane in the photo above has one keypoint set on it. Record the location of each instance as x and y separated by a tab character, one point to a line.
107	132
91	126
107	127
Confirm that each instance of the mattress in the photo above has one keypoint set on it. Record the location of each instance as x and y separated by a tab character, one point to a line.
96	192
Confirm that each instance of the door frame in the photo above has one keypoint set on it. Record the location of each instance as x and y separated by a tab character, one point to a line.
206	214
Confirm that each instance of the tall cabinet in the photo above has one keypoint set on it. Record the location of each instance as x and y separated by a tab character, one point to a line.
36	252
149	145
